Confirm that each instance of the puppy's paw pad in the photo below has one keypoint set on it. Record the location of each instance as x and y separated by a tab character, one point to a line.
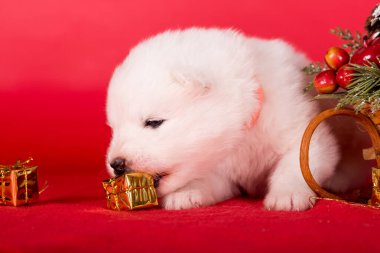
182	200
289	201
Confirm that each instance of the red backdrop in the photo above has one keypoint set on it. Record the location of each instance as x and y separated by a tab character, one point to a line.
75	44
56	58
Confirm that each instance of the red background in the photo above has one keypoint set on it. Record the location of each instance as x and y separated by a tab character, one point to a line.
76	44
56	58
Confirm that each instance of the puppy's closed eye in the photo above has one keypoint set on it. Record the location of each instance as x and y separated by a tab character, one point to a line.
153	123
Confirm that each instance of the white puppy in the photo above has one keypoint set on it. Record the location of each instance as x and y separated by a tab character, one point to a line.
211	112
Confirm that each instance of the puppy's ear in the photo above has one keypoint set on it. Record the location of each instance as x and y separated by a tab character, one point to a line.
192	82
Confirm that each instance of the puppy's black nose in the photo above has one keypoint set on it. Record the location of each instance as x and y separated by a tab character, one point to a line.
156	179
119	166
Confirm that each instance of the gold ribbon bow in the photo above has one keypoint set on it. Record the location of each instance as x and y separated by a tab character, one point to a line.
18	164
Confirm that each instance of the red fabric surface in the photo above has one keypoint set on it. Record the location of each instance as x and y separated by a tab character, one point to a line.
56	58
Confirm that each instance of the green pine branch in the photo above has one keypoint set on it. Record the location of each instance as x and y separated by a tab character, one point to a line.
311	70
354	41
364	89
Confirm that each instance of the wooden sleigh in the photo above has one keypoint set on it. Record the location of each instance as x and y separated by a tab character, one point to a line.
370	123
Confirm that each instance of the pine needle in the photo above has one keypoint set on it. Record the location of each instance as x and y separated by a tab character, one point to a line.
365	87
311	70
353	41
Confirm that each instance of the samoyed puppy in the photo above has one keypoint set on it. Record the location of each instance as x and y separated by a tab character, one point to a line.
211	113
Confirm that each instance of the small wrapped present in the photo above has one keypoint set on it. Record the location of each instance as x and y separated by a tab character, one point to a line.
130	191
375	199
18	183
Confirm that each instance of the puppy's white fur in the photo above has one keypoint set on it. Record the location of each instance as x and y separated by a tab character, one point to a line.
204	83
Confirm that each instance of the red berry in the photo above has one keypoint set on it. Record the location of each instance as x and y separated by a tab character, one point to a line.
369	53
336	57
325	82
344	76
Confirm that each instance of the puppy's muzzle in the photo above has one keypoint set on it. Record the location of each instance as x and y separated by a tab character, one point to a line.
119	166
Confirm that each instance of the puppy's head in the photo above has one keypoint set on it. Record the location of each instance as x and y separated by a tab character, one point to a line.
170	115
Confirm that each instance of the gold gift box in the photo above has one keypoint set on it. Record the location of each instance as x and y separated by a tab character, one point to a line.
375	199
130	191
18	184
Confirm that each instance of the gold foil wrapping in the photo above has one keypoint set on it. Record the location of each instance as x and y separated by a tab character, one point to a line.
375	199
130	191
18	184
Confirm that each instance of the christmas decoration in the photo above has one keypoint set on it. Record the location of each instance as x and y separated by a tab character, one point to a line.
373	21
367	124
356	67
370	52
375	200
353	41
130	191
344	76
19	184
336	57
325	82
374	116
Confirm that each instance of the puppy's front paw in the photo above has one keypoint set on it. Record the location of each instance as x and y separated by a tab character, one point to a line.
289	201
183	200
